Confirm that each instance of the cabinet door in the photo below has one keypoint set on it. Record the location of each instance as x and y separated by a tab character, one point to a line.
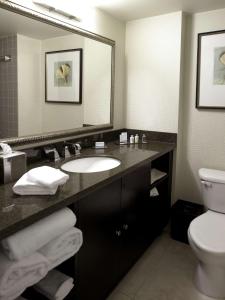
96	263
136	233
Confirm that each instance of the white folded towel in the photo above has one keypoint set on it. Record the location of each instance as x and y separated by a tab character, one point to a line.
26	187
40	181
47	176
55	285
30	239
16	276
63	247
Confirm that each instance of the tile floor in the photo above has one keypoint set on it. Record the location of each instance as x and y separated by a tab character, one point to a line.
164	272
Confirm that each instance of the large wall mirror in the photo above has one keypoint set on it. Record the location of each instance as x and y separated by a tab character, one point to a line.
54	79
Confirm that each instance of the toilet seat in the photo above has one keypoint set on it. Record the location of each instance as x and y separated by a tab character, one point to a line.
208	232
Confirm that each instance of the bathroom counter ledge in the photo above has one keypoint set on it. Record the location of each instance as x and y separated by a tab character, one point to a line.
17	212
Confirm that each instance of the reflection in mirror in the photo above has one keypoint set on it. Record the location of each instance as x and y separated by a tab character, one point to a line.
84	79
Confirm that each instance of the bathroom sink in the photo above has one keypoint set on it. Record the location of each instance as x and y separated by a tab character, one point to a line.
91	164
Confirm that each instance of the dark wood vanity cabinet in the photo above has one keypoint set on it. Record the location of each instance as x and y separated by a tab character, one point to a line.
111	221
135	232
119	221
96	264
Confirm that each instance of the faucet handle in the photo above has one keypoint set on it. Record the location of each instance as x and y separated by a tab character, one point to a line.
78	148
52	154
73	148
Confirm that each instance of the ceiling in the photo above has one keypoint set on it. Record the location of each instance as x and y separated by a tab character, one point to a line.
127	10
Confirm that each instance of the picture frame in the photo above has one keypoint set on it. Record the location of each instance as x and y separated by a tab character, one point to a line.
210	84
63	76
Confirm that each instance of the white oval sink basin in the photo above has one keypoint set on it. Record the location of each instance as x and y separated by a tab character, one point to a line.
91	164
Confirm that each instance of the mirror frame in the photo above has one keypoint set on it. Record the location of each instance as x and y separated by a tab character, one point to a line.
71	133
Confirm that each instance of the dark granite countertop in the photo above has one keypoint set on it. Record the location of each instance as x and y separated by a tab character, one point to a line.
16	212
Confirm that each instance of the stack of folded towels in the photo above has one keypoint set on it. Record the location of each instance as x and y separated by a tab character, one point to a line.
40	181
27	256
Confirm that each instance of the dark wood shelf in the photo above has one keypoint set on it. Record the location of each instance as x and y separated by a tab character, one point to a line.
159	181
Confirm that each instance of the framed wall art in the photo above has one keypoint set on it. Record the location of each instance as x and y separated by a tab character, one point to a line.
210	90
63	76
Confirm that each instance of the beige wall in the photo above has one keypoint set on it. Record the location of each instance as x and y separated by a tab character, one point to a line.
29	86
96	82
101	23
201	140
153	53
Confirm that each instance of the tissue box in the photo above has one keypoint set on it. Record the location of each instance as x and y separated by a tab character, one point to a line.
12	166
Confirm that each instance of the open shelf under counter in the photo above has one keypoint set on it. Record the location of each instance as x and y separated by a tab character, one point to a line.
158	181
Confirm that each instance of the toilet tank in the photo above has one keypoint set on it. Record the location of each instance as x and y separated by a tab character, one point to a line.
213	189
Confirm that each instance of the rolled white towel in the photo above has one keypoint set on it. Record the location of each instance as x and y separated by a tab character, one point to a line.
16	276
47	176
55	285
30	239
63	247
26	187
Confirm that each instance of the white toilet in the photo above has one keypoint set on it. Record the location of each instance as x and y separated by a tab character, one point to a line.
206	235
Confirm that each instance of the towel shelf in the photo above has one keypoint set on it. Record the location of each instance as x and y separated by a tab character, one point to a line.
159	181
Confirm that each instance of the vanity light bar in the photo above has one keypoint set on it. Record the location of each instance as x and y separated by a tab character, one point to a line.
57	10
68	15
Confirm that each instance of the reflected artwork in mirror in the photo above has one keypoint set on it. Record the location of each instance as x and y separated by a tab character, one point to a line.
63	76
51	67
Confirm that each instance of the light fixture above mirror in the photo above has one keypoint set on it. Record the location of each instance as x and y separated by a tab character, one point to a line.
52	7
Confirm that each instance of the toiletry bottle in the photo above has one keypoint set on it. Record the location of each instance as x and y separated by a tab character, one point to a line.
136	138
131	139
123	138
144	139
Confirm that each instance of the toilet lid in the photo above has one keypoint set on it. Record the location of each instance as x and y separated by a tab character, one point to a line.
208	231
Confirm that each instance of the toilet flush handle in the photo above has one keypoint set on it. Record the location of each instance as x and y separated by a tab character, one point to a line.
206	183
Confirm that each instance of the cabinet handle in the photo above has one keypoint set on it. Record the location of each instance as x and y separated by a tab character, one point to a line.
118	232
125	226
